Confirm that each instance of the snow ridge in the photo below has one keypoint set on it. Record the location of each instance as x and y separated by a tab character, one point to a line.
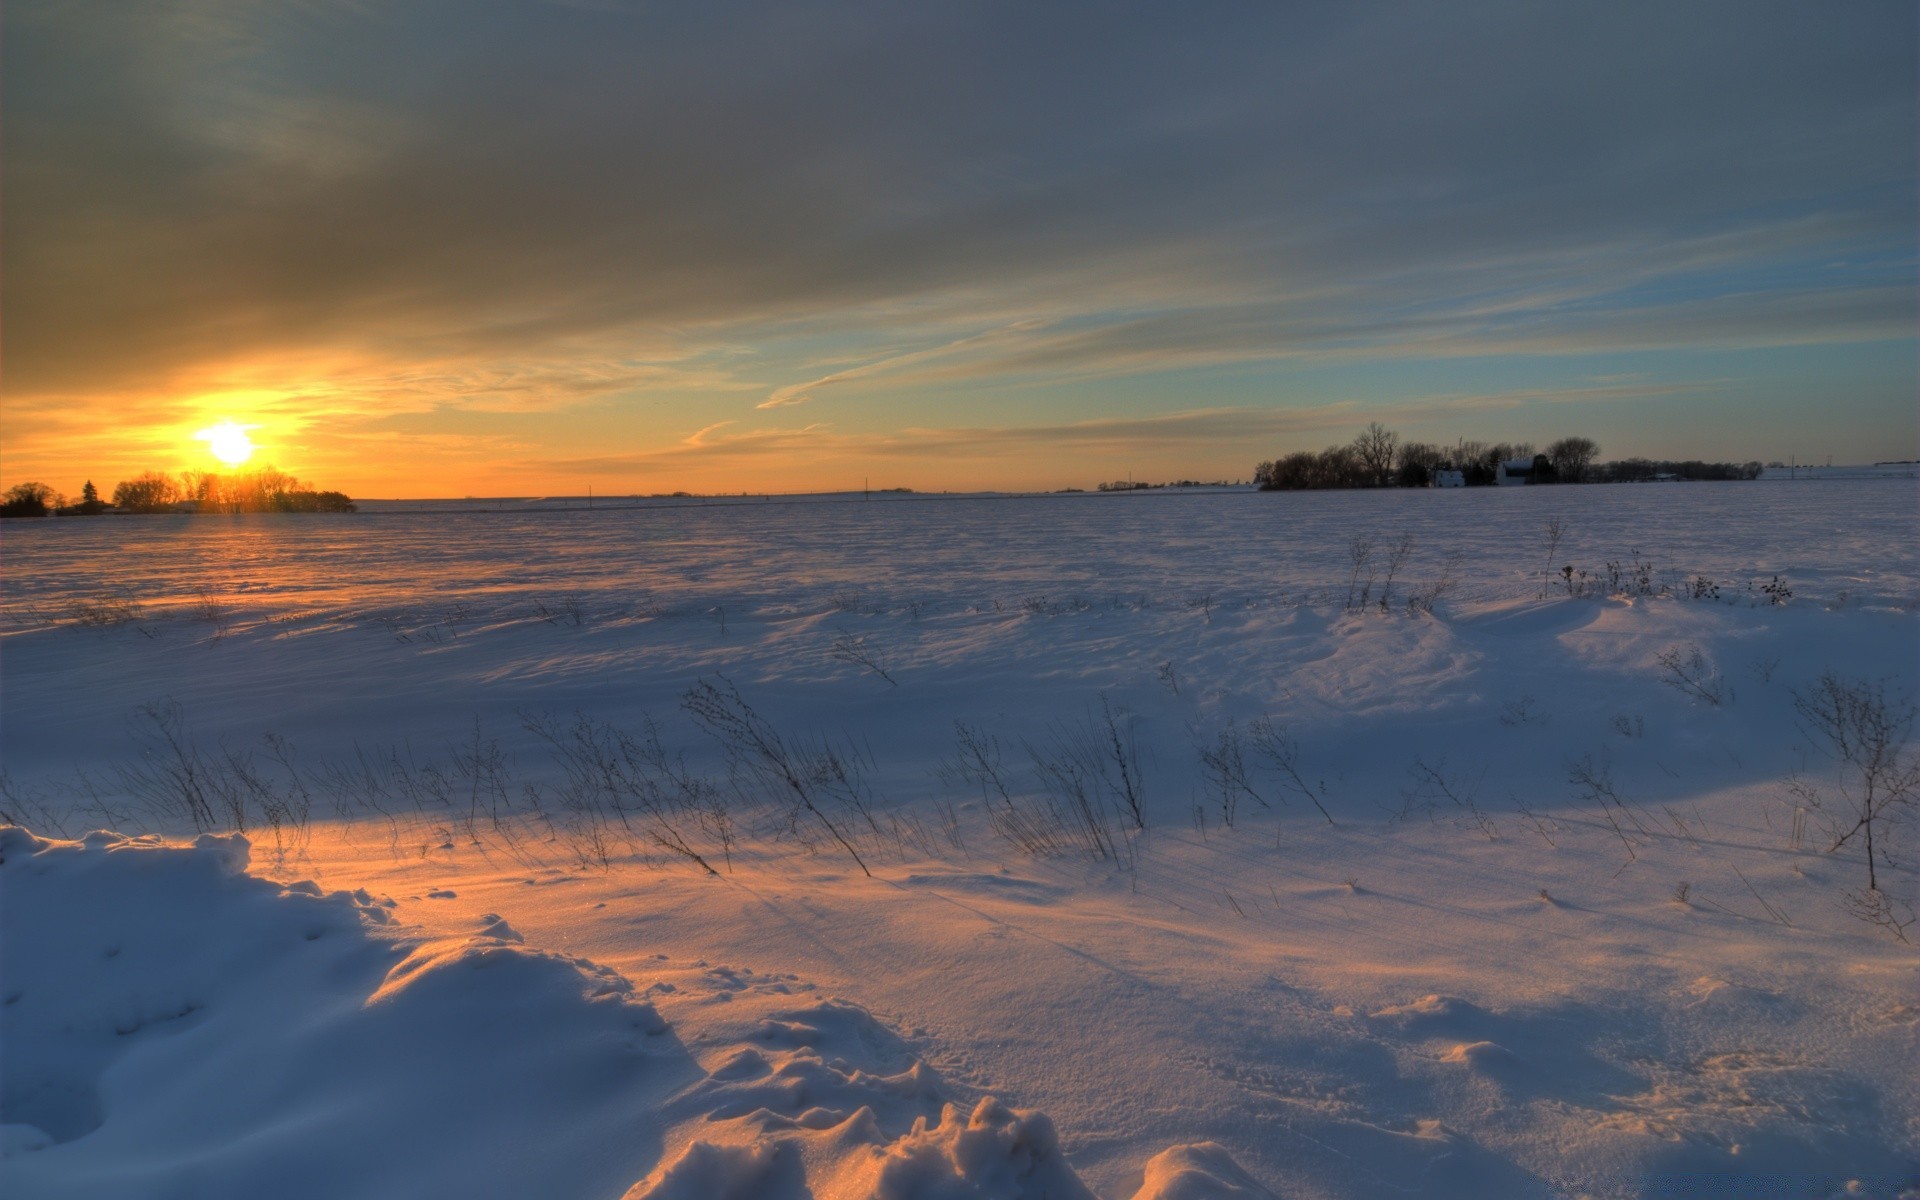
175	1027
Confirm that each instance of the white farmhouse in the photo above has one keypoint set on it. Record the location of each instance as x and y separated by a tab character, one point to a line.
1446	477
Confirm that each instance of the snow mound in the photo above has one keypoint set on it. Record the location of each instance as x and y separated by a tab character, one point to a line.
992	1153
175	1027
823	1101
1204	1171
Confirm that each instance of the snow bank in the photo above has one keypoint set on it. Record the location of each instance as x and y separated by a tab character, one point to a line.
175	1027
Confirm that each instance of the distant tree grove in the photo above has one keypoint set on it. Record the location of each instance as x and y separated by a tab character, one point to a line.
261	490
1378	457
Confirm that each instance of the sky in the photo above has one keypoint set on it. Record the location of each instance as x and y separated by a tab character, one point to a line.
488	248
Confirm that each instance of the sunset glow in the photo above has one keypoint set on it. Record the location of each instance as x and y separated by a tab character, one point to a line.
227	442
705	251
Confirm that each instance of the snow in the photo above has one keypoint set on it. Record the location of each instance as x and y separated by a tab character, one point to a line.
1476	975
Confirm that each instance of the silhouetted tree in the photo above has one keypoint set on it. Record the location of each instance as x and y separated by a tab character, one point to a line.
1572	456
1639	470
151	492
1374	449
30	499
89	505
1424	454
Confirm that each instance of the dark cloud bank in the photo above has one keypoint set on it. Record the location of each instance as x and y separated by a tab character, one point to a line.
1124	187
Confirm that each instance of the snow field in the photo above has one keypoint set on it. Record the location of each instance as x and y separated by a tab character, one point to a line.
1477	974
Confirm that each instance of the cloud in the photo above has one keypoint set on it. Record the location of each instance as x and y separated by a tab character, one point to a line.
800	393
698	438
592	204
1243	430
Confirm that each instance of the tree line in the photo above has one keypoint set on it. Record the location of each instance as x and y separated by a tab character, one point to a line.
1378	457
261	490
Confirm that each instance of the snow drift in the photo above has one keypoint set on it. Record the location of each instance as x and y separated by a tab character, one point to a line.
176	1028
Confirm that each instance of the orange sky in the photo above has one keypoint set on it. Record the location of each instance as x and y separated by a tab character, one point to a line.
647	249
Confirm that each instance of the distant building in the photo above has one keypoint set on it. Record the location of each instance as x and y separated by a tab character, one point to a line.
1446	477
1518	471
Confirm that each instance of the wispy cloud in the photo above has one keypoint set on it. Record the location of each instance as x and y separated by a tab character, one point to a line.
699	437
1245	431
800	393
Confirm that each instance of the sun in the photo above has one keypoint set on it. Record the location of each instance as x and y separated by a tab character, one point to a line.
228	442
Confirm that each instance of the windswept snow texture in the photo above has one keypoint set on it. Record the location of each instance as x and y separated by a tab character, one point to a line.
1211	826
177	1029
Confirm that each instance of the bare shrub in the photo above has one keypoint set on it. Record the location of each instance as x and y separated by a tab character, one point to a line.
1036	827
1281	753
807	779
29	810
1691	674
1774	592
1423	598
110	609
1867	734
1431	787
1069	772
241	783
854	650
1545	827
172	779
1090	771
1225	760
1123	762
613	778
1396	559
1631	579
1593	776
480	769
1360	555
1554	532
565	609
207	609
360	785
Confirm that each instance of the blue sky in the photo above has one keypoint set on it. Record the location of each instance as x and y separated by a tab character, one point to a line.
470	248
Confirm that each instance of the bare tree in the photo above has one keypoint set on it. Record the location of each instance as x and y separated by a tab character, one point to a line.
1376	447
1418	461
